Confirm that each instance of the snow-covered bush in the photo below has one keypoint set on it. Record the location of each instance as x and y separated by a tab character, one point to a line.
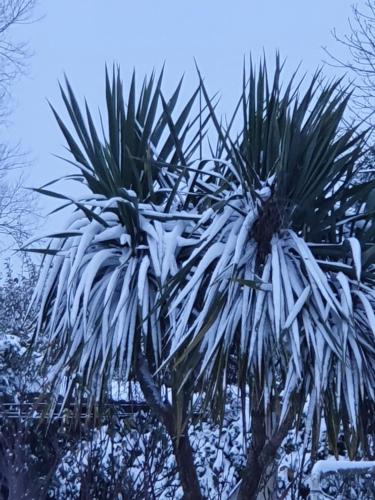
16	289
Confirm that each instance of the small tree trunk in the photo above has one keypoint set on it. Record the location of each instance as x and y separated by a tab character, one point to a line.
187	471
253	471
182	447
262	454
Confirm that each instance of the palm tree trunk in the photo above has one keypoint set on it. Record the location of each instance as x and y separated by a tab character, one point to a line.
262	453
254	470
181	444
187	471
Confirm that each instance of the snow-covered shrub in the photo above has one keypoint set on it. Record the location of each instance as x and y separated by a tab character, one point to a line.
127	459
27	458
134	458
17	461
16	289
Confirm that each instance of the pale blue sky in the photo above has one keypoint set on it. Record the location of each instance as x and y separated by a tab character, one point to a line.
79	36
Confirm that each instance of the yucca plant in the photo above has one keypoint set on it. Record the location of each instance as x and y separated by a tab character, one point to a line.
280	286
253	265
100	292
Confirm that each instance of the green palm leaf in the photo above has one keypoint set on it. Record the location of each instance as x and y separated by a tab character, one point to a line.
292	181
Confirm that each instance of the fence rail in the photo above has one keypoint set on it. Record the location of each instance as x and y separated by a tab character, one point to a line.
342	471
31	408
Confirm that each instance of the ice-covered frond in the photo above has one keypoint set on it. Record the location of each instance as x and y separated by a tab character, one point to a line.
100	298
305	327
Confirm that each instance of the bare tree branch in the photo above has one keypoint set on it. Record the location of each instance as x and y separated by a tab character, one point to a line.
359	43
16	204
13	54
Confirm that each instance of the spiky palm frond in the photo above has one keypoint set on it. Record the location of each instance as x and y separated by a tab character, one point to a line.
296	137
277	280
102	281
141	140
262	257
100	299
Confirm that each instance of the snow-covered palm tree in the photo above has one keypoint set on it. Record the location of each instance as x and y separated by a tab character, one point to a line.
102	282
253	266
280	297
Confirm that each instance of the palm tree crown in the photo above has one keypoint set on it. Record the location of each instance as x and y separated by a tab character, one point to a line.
254	265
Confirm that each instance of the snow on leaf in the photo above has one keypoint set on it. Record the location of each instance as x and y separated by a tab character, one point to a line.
300	302
357	256
368	309
276	285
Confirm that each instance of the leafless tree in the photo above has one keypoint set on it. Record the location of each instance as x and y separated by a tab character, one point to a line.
16	206
12	53
359	63
15	203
